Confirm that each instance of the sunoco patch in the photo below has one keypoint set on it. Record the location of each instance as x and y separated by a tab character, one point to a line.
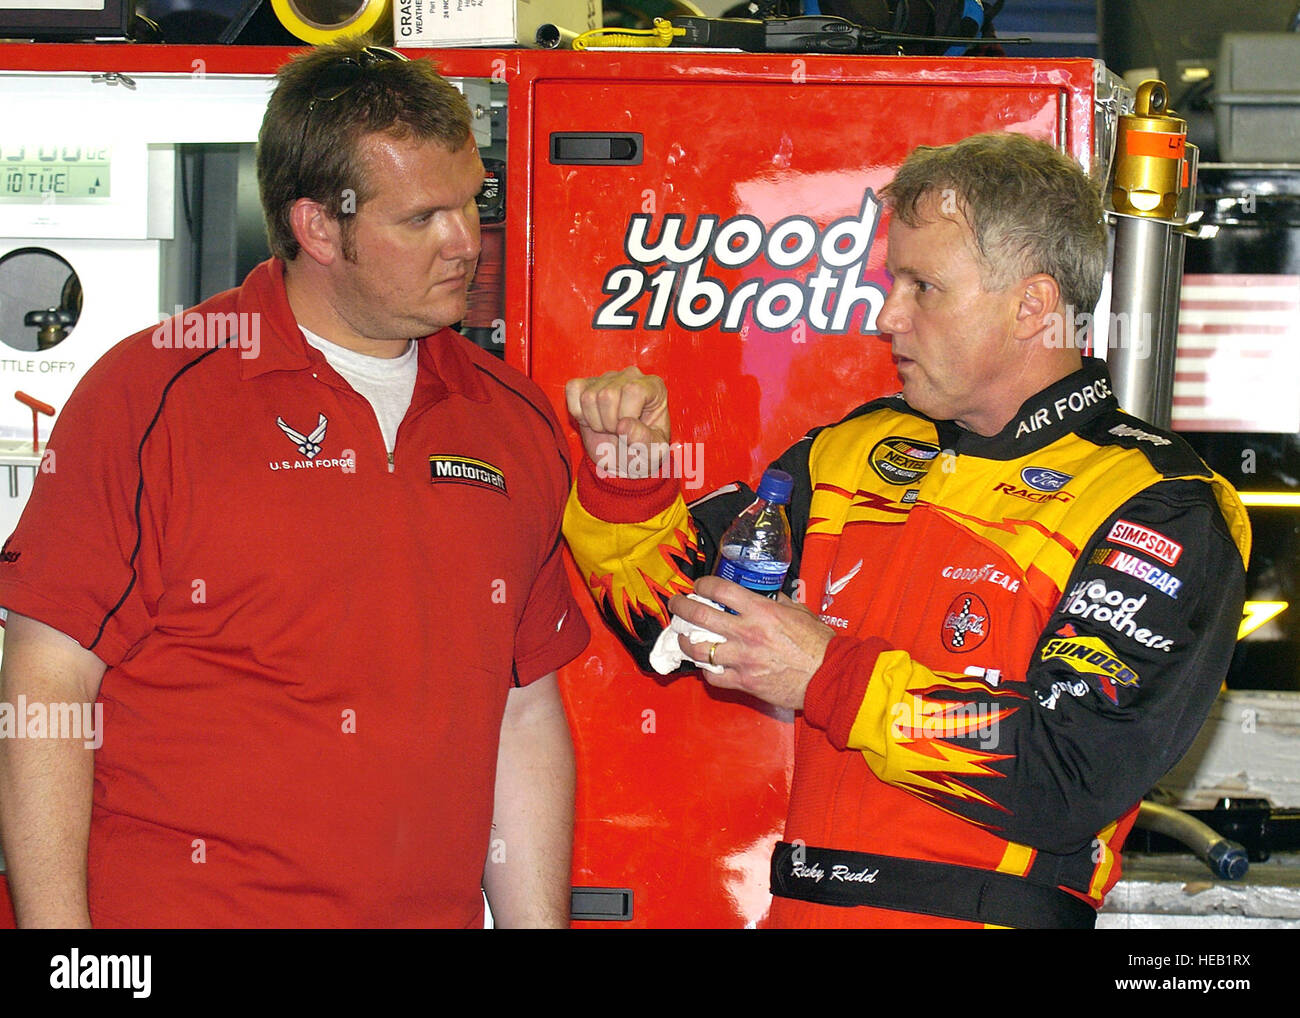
464	470
902	460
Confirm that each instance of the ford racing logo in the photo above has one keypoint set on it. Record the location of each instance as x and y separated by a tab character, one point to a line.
1042	479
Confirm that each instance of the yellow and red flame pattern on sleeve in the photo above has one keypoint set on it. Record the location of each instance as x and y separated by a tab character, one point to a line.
634	566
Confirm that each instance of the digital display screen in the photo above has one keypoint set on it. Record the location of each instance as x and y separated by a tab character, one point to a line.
70	19
54	5
47	173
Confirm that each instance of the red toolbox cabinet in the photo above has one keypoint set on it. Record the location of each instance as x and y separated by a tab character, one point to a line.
682	789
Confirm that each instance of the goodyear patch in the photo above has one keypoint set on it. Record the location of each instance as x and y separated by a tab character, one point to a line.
465	470
1090	655
900	460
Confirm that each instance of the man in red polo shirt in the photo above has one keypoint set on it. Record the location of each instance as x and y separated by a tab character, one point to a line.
308	564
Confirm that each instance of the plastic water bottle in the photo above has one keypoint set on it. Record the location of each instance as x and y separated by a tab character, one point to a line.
756	548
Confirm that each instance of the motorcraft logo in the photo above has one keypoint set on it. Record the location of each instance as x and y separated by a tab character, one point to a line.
465	470
666	280
900	460
1042	479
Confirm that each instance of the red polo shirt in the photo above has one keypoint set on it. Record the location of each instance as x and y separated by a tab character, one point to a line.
308	648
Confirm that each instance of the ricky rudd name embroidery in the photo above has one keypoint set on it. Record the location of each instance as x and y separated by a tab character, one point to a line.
826	296
838	872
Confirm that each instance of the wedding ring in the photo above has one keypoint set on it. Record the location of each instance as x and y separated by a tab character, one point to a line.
713	648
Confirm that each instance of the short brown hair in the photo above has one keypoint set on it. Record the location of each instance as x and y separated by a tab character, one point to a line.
1030	209
310	147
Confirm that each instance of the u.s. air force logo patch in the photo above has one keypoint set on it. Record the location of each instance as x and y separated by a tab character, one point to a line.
902	460
465	470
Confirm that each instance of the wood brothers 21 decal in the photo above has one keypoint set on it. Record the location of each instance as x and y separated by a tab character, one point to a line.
667	278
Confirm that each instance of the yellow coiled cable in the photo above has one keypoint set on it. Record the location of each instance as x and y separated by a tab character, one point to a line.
662	34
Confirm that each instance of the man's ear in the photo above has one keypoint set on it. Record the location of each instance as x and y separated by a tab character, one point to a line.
1040	297
316	231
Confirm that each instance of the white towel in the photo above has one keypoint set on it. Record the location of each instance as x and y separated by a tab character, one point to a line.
667	654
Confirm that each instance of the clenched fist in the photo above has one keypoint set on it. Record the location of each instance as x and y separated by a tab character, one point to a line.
622	412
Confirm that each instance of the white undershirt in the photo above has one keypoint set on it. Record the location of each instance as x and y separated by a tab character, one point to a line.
386	382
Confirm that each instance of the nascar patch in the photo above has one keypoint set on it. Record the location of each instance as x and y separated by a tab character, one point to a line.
464	470
900	460
1123	562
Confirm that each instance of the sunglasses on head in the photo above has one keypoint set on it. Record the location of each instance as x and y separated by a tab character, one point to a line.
337	78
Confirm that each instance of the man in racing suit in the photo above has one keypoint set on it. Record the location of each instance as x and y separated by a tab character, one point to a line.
1026	599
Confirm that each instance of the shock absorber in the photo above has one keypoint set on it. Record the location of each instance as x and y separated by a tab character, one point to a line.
1151	195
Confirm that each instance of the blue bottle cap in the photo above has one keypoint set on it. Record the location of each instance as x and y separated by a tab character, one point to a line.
776	486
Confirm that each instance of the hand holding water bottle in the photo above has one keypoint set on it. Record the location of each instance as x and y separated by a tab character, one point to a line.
772	645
